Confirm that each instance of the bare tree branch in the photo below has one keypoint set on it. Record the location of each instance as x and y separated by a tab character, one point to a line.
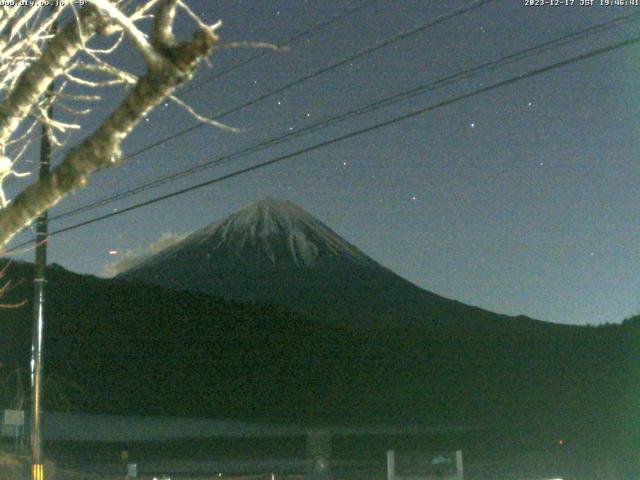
138	38
34	81
177	63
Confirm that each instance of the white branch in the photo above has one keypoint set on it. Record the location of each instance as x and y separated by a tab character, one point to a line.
203	26
177	64
266	45
110	49
21	151
35	79
26	134
138	38
92	83
201	118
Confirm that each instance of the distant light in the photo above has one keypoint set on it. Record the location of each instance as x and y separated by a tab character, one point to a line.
113	252
560	442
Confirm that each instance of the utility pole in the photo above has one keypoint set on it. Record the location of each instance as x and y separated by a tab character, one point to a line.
38	314
37	343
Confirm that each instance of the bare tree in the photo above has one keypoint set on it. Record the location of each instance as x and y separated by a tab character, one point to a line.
32	55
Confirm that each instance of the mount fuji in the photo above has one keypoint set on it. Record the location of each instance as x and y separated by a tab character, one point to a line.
344	339
274	252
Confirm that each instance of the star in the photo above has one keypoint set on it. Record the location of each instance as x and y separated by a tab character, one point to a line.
472	125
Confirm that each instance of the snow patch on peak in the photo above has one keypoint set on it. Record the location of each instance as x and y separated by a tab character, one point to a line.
280	231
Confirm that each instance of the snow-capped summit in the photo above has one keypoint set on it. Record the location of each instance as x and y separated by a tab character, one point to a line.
273	251
277	231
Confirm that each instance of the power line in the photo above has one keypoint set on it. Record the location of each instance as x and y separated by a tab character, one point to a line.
381	103
326	143
194	85
377	46
314	28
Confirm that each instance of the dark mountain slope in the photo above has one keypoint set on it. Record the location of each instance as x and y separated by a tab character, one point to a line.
135	348
275	252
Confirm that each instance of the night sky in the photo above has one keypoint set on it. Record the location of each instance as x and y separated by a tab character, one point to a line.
520	200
